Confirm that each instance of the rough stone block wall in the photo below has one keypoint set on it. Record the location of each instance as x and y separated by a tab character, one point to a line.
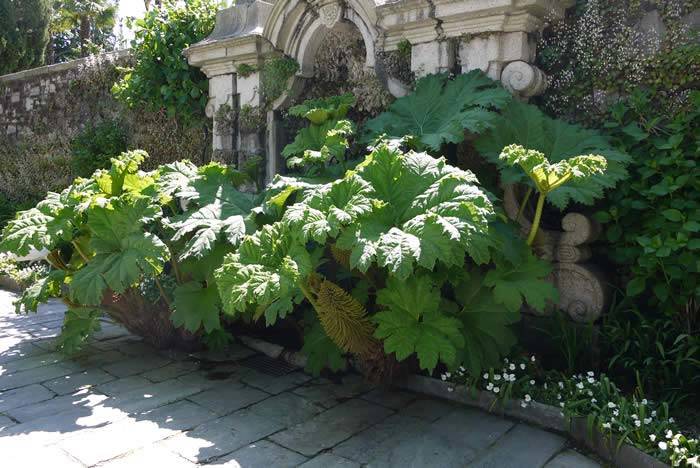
38	101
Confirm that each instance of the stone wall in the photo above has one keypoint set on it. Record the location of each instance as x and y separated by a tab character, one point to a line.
43	109
37	100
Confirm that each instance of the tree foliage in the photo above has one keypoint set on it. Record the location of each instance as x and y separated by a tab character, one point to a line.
161	77
24	33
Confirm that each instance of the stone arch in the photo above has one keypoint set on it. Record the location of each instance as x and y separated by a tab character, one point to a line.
299	28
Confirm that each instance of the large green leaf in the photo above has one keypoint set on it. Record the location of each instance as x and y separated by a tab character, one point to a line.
526	125
413	323
196	307
78	324
321	352
264	272
423	211
440	109
486	325
41	291
524	280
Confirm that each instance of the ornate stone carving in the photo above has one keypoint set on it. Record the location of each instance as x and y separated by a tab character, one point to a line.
582	290
523	79
330	14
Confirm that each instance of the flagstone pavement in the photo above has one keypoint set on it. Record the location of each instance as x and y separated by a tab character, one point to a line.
120	403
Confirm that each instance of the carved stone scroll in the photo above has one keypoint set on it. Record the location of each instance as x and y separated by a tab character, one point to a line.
582	290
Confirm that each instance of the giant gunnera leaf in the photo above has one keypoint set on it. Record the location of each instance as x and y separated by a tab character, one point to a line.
413	322
416	210
441	109
526	125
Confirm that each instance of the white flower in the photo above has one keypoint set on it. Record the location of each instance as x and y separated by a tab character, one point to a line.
644	401
590	393
511	367
606	425
675	442
590	373
497	377
528	398
486	376
663	445
579	385
532	382
652	437
561	384
671	420
450	389
616	412
669	434
653	414
637	422
448	375
634	416
489	386
443	377
532	358
496	389
647	420
561	404
593	400
558	396
512	377
462	368
522	366
591	380
523	404
611	404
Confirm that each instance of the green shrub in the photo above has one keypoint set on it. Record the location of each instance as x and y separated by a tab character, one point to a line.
651	223
93	148
109	233
161	77
274	75
401	225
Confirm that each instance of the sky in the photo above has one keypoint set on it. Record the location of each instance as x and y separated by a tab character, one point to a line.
128	8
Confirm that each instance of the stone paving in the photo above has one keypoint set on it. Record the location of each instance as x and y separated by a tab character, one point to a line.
120	403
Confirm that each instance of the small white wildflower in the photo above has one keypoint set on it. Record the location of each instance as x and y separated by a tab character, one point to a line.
505	360
590	393
616	412
637	422
443	377
663	445
511	367
675	442
561	404
561	384
634	416
653	414
593	400
611	404
532	358
497	377
558	396
489	386
669	434
523	404
532	382
462	368
644	401
591	380
528	398
512	377
671	420
652	437
590	373
496	389
606	425
579	385
448	374
647	420
522	366
486	376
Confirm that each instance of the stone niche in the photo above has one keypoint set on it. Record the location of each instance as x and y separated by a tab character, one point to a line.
495	36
